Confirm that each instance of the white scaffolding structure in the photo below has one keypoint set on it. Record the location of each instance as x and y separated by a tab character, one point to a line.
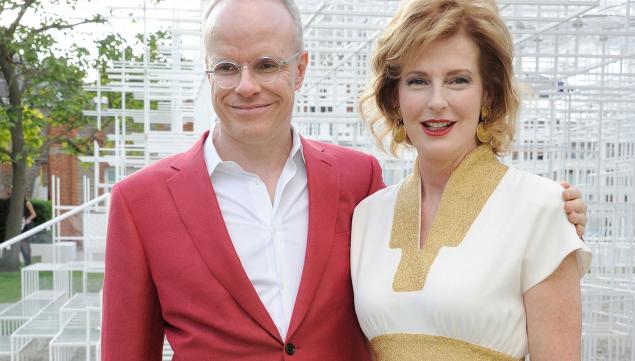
575	60
578	124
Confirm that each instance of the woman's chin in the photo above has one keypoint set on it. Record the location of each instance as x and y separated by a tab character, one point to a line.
443	153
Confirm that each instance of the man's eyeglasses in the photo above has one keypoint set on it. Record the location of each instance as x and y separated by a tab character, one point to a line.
226	73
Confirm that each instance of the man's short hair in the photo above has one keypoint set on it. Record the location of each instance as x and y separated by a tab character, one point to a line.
288	4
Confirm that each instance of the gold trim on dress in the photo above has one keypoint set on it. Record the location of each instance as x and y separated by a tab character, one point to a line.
419	347
465	194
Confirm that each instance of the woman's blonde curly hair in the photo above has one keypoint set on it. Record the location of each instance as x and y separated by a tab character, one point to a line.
416	25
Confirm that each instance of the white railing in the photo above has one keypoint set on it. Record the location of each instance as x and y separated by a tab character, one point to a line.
53	221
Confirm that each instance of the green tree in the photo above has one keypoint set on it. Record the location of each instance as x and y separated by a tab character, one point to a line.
40	91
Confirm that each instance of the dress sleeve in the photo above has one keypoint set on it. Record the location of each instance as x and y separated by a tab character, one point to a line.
552	240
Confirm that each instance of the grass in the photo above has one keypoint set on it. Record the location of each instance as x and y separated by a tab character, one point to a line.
10	287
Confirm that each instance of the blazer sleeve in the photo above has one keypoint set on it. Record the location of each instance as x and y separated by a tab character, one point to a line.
132	325
377	182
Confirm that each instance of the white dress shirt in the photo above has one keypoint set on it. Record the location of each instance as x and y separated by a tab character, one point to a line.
270	239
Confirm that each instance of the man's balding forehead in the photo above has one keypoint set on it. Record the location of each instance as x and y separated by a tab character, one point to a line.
288	4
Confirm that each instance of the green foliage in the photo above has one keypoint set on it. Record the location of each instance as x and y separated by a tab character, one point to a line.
5	135
42	210
32	123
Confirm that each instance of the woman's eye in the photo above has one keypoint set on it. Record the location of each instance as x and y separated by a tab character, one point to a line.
460	80
416	82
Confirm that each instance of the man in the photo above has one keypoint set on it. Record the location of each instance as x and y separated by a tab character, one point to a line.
238	249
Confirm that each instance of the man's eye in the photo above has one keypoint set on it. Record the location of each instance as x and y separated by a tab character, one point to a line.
266	66
225	68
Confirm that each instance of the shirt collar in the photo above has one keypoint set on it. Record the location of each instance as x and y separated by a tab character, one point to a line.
212	159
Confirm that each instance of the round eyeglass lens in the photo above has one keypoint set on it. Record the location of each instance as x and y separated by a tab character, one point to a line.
226	74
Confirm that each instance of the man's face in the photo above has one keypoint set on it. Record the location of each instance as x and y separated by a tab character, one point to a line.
255	112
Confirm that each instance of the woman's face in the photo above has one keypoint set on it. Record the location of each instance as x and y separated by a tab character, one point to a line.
440	94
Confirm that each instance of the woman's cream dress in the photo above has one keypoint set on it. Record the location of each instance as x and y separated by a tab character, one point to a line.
497	233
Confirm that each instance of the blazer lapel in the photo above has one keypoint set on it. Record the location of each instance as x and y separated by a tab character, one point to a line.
196	202
323	186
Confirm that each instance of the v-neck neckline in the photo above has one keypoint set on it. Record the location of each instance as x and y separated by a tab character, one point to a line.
465	194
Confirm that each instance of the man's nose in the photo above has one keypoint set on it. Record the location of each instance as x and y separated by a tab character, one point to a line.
248	85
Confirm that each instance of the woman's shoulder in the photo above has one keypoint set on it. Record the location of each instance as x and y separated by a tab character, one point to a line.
377	207
534	188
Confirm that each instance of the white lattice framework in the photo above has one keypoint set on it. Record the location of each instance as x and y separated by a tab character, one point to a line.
575	59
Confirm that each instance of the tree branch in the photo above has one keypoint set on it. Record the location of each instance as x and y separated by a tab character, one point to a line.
25	6
50	141
61	26
77	146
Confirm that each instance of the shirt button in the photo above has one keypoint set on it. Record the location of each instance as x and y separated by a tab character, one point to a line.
289	349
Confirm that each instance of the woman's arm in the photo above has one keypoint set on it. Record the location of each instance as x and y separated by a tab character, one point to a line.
32	213
554	313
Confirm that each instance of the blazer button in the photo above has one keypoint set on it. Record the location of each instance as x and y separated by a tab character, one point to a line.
289	349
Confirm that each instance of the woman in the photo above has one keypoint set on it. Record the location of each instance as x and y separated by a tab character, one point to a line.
28	216
465	259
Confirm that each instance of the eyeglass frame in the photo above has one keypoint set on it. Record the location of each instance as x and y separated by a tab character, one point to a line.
281	63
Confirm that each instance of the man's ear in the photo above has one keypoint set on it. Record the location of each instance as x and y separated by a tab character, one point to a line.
302	63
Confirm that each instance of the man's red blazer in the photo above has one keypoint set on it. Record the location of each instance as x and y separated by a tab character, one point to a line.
171	267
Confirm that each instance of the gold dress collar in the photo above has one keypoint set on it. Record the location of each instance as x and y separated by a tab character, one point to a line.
465	194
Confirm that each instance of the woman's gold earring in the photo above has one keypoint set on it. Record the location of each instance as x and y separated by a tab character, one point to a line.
484	134
399	132
485	110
